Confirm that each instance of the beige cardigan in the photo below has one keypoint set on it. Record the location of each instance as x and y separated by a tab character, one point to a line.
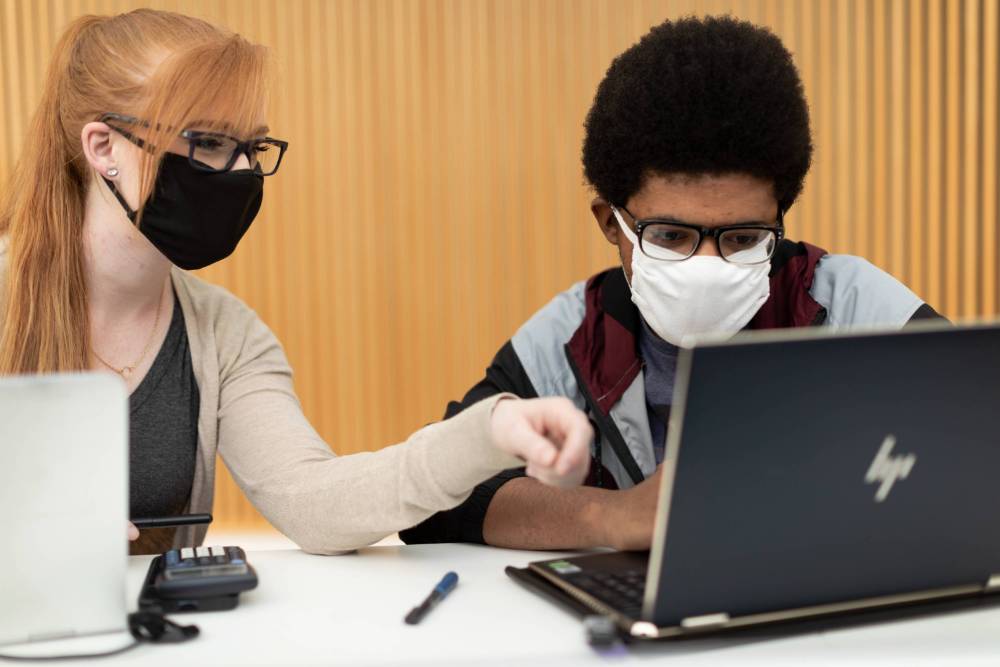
250	416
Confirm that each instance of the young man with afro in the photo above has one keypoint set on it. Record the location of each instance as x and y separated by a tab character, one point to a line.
697	144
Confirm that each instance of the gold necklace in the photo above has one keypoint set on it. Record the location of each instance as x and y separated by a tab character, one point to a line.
126	371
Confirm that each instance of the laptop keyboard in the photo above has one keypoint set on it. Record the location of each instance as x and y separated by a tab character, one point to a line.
622	591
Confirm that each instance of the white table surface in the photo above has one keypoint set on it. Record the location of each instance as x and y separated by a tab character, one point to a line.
348	610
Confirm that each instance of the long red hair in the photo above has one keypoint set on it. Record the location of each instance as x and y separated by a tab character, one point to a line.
165	68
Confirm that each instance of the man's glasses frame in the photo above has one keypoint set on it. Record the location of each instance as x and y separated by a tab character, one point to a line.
778	229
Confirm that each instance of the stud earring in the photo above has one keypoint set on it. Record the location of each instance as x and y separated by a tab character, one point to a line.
113	172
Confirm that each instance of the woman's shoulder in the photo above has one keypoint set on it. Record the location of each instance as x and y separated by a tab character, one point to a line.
216	313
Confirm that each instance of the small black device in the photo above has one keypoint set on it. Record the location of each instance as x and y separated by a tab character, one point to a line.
197	579
153	627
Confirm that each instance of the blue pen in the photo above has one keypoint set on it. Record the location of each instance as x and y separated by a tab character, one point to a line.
440	592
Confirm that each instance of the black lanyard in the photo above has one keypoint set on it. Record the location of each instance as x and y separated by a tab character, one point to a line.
606	425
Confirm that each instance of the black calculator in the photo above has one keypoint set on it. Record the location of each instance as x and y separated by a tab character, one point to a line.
197	579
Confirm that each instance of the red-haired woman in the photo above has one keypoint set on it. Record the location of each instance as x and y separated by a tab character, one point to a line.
147	156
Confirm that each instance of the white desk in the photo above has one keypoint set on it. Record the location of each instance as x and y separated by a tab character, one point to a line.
348	610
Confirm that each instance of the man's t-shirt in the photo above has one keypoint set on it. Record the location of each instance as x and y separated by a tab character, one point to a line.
659	366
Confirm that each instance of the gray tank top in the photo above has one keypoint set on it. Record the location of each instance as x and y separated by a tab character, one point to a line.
163	430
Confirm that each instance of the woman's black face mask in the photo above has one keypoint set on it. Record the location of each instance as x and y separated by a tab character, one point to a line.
196	218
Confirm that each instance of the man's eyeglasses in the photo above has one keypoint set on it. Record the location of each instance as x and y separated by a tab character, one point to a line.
674	241
211	151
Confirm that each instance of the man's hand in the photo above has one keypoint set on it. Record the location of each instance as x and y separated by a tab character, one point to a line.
630	515
550	434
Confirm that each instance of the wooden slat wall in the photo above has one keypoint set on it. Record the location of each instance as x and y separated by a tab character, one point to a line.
432	197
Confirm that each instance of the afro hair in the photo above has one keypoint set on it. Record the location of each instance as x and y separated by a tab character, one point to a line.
698	97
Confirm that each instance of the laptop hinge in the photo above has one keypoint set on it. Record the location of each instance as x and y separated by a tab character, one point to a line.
706	621
993	583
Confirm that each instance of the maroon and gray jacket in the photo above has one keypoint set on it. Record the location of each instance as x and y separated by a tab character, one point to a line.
584	345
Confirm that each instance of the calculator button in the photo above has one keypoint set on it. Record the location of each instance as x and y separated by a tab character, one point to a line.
202	552
187	552
172	557
218	551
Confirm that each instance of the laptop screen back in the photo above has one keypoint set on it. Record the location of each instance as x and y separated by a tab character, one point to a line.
817	470
63	506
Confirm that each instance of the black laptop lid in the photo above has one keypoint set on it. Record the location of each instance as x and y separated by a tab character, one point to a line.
770	508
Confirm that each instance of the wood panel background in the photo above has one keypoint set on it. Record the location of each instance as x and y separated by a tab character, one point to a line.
432	197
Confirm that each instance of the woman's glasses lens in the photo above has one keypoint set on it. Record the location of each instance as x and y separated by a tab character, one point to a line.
216	152
265	156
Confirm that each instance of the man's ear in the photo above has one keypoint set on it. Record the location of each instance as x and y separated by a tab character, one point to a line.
96	140
605	219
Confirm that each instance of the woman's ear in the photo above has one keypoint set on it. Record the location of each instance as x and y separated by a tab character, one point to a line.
605	219
97	148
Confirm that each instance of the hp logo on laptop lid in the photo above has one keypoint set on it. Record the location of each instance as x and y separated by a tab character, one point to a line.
886	468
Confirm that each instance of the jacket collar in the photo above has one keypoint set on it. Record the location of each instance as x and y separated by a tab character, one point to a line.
604	348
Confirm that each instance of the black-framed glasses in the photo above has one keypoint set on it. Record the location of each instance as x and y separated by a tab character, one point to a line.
741	243
214	152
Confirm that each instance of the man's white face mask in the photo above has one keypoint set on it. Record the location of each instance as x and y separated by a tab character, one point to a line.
682	300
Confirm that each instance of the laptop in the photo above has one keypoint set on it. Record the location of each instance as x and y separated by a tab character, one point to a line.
810	473
63	508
